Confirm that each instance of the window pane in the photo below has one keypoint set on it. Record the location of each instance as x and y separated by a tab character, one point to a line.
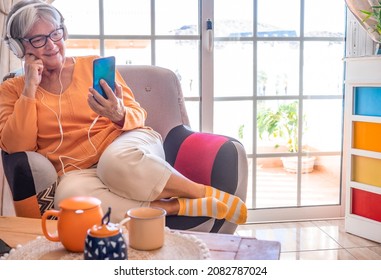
277	125
233	18
185	22
323	125
79	47
275	186
193	111
129	51
323	68
181	56
233	69
278	18
278	68
83	19
334	10
322	186
127	17
239	126
249	197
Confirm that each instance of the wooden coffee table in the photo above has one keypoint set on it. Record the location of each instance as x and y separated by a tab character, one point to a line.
16	230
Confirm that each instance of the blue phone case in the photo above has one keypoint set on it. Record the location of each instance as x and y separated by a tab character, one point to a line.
104	68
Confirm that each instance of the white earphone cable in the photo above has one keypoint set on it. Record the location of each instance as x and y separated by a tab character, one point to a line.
58	117
61	157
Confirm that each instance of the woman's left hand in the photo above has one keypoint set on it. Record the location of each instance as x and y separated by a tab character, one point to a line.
113	107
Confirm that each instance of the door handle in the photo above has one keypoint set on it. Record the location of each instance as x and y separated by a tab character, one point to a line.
210	35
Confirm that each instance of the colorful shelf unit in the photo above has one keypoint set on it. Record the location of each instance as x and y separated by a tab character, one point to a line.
362	147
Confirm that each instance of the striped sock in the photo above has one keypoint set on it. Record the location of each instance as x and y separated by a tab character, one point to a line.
206	206
237	210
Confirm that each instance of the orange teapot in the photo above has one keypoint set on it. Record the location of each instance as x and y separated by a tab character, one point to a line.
75	217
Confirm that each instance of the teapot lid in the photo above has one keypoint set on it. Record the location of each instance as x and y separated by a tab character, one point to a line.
104	231
106	228
80	202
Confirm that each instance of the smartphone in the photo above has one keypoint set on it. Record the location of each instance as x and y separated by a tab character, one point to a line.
104	68
4	247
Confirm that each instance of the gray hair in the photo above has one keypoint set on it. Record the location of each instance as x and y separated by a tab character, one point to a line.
24	20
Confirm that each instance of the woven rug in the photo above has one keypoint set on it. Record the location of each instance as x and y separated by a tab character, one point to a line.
176	246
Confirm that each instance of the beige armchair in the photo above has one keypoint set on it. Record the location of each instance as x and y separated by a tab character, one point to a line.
221	160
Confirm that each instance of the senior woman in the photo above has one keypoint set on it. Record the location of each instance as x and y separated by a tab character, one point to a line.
99	147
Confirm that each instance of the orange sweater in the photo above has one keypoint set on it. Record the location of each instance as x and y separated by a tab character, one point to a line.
30	125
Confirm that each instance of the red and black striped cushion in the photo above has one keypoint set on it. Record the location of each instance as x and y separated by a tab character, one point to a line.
204	158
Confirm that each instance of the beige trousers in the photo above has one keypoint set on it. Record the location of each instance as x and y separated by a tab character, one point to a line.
131	172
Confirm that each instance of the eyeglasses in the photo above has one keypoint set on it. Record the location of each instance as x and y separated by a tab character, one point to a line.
40	40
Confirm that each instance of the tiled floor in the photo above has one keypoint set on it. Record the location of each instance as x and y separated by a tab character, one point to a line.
314	240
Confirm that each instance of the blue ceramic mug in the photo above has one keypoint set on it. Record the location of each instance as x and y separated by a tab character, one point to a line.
105	242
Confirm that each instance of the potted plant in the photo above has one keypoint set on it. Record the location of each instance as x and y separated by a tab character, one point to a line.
373	14
282	123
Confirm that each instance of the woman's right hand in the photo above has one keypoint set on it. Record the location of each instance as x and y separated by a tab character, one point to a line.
33	74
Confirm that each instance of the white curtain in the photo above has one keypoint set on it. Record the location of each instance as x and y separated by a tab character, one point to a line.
8	61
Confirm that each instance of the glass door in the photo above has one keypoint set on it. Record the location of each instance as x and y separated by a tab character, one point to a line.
278	87
267	72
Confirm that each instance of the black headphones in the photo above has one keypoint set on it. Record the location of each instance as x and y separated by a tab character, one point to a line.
15	45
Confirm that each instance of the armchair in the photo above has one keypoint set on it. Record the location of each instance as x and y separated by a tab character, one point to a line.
206	158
